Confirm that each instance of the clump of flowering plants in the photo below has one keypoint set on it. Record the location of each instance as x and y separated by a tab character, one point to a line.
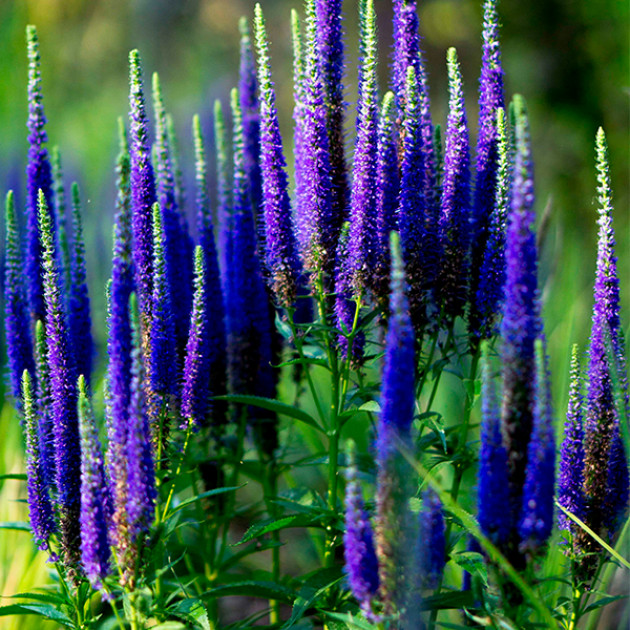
248	349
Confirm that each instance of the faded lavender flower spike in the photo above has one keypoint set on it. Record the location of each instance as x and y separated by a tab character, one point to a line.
39	506
95	499
79	321
38	177
536	520
64	396
360	556
283	266
142	185
571	470
454	222
16	317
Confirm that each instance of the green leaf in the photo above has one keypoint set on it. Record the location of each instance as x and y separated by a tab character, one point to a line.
264	527
193	610
203	495
170	625
50	597
18	526
16	477
254	588
351	621
442	601
41	610
472	562
274	405
256	547
604	601
371	405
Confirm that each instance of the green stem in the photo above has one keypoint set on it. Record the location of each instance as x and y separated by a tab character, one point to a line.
177	473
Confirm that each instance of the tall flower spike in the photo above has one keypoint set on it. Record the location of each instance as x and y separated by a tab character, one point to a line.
361	565
180	191
394	536
119	343
251	108
387	178
141	490
488	155
411	205
454	223
283	266
64	397
224	196
177	243
361	257
142	187
39	506
16	318
318	229
492	490
38	177
571	470
521	324
299	99
432	543
330	59
538	491
248	334
601	418
95	499
59	197
79	321
196	380
486	304
618	484
214	307
43	402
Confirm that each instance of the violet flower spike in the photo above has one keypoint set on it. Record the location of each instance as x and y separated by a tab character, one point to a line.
492	489
39	506
38	177
487	154
618	485
536	520
16	316
214	307
142	186
521	324
79	321
178	176
283	266
60	205
361	565
95	499
64	396
299	100
571	467
455	211
431	542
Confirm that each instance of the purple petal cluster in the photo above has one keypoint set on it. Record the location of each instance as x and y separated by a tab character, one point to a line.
95	500
17	322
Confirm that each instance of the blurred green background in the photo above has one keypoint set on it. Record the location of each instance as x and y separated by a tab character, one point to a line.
569	58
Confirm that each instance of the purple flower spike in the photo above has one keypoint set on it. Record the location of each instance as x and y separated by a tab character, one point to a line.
16	318
329	47
487	303
411	205
79	321
119	342
536	519
177	242
196	380
142	190
64	397
299	99
252	115
571	472
618	484
141	490
387	179
521	323
95	499
283	266
360	556
214	307
432	542
454	223
493	491
43	402
601	418
362	243
162	367
318	228
39	506
488	156
38	177
59	203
